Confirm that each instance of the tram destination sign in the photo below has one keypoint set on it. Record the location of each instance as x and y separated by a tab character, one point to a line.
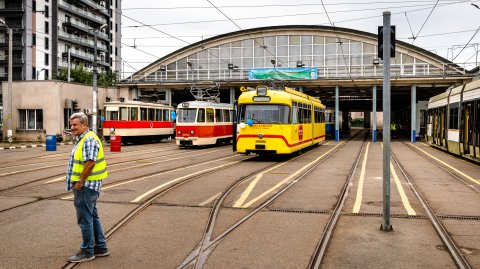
299	73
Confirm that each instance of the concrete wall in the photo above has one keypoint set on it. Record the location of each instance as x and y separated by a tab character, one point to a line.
52	97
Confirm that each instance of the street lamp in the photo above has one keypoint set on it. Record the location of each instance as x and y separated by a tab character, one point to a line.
94	90
10	92
38	72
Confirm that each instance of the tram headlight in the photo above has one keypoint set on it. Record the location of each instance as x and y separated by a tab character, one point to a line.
192	132
179	132
112	130
242	125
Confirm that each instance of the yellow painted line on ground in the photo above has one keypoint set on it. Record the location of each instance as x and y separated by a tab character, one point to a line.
401	191
209	199
403	196
154	175
130	167
358	199
139	198
247	191
449	166
288	178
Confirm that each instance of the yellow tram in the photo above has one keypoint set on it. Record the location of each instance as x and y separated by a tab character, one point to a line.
278	121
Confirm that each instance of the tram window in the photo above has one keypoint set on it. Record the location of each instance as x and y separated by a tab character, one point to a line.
201	115
112	115
218	115
123	113
151	114
134	113
453	118
143	113
210	115
295	110
269	114
186	115
158	114
227	116
166	115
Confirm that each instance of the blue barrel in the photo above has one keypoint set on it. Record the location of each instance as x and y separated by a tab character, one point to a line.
51	142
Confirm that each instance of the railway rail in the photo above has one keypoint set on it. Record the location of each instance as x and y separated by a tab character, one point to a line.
443	233
199	255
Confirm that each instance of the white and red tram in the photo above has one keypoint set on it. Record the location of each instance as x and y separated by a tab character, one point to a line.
203	123
137	121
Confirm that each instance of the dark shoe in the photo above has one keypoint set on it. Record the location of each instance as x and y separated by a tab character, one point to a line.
101	252
81	256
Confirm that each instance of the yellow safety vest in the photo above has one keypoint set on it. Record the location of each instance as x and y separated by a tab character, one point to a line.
99	171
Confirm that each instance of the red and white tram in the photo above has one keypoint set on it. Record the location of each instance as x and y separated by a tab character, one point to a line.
203	123
137	121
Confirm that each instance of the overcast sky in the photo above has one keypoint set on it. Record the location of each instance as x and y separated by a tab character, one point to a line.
444	27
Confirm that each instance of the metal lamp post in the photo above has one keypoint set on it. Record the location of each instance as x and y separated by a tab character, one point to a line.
38	72
95	90
10	92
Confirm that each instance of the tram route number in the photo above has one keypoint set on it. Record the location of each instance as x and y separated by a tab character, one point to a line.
261	141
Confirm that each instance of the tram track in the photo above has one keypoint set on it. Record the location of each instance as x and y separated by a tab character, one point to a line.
442	232
150	201
61	176
447	170
118	182
200	254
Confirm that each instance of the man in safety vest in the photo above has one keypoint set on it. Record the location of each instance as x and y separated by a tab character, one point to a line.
86	170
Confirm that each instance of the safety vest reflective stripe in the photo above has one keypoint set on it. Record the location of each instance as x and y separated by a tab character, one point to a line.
92	174
98	161
99	170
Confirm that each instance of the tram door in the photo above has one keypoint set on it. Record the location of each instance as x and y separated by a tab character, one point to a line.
443	130
467	136
476	129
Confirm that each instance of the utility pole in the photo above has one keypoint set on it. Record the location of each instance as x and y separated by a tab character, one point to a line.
94	89
386	226
10	78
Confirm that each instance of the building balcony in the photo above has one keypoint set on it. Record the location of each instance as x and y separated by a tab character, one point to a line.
78	26
81	12
81	41
96	6
16	44
86	57
15	61
13	10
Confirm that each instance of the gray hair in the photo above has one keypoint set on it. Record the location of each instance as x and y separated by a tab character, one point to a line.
80	115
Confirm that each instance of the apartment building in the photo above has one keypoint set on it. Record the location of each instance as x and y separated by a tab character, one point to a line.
45	30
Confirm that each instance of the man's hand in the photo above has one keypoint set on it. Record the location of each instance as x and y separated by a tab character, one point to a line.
79	184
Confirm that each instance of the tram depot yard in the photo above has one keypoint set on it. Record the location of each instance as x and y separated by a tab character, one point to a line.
206	207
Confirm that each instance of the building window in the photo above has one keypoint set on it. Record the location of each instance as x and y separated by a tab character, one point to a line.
30	119
46	43
46	12
34	73
46	58
34	5
47	27
34	39
47	75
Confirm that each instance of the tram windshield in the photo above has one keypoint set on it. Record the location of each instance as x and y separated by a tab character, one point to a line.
267	114
186	115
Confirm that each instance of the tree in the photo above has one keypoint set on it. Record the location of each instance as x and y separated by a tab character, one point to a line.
80	75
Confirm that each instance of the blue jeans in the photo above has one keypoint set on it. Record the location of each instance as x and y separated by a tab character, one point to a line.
85	201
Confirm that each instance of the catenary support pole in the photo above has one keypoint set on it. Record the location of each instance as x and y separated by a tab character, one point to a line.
414	113
337	113
386	226
374	112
